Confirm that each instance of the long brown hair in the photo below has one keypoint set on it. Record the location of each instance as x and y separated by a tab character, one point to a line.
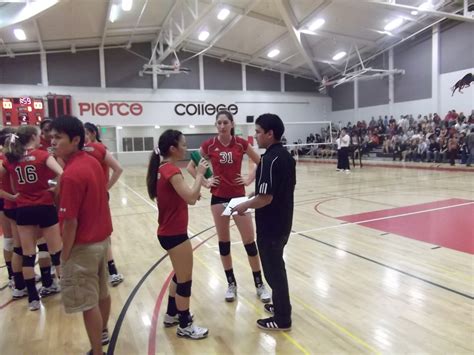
15	143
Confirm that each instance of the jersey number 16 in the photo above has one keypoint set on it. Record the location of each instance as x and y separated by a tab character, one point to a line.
28	175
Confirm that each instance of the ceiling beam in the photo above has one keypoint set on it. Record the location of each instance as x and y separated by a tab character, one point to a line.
106	23
435	13
290	21
185	34
230	25
267	47
38	34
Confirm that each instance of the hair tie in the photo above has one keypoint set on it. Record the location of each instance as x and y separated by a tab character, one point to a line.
13	138
157	150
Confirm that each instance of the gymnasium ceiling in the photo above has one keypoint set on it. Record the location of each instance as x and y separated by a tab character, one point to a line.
250	31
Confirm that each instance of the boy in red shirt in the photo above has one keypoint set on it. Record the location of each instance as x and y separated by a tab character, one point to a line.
85	231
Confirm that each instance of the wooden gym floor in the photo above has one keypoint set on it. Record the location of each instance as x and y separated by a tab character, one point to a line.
380	261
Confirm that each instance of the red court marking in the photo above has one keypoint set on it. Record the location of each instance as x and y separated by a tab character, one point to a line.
450	227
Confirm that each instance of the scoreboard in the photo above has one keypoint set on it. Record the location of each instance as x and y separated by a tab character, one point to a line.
17	111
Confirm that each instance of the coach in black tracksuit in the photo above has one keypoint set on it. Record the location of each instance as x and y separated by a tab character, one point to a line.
274	189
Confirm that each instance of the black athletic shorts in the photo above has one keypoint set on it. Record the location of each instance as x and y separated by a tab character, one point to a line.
170	241
216	200
42	216
2	203
11	214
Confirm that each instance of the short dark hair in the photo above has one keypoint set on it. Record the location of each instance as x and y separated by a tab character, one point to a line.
45	121
70	125
271	122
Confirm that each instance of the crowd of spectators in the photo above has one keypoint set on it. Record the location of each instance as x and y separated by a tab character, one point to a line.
428	138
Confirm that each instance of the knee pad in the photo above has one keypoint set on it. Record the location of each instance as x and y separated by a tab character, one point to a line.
224	248
7	244
29	260
56	258
43	251
175	280
184	289
251	249
18	251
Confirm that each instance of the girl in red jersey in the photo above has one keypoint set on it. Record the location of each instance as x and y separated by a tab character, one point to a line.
94	146
226	152
29	169
166	183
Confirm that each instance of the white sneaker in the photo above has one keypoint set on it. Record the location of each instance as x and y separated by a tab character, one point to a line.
347	171
48	291
115	279
105	337
192	331
231	293
34	305
170	321
17	294
263	294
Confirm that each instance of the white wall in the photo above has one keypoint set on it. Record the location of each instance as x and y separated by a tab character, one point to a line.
459	102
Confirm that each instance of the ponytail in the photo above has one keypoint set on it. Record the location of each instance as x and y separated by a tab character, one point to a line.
152	174
15	143
93	129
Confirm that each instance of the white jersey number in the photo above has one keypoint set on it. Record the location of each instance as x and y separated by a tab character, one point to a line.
28	175
226	158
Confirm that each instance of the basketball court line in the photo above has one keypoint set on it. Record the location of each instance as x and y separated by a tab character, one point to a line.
387	266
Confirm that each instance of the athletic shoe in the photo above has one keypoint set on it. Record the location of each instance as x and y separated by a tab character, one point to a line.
171	321
269	308
51	290
263	294
347	171
17	294
270	324
34	305
231	293
105	337
192	332
115	279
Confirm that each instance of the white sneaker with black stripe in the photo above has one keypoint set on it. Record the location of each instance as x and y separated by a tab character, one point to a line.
263	294
51	290
231	293
105	337
271	324
192	332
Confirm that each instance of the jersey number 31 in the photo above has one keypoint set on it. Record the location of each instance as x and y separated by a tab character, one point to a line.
226	158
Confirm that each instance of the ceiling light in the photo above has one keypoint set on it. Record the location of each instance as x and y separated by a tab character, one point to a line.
19	34
339	55
192	126
393	24
273	53
157	127
114	10
127	5
203	35
119	127
414	12
222	15
316	24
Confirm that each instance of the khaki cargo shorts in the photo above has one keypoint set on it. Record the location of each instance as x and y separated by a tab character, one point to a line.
85	276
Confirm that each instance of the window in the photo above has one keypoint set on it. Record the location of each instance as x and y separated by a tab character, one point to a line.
137	144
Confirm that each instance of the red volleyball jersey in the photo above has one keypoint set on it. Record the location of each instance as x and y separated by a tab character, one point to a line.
7	187
45	145
98	151
30	177
226	161
172	209
83	196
